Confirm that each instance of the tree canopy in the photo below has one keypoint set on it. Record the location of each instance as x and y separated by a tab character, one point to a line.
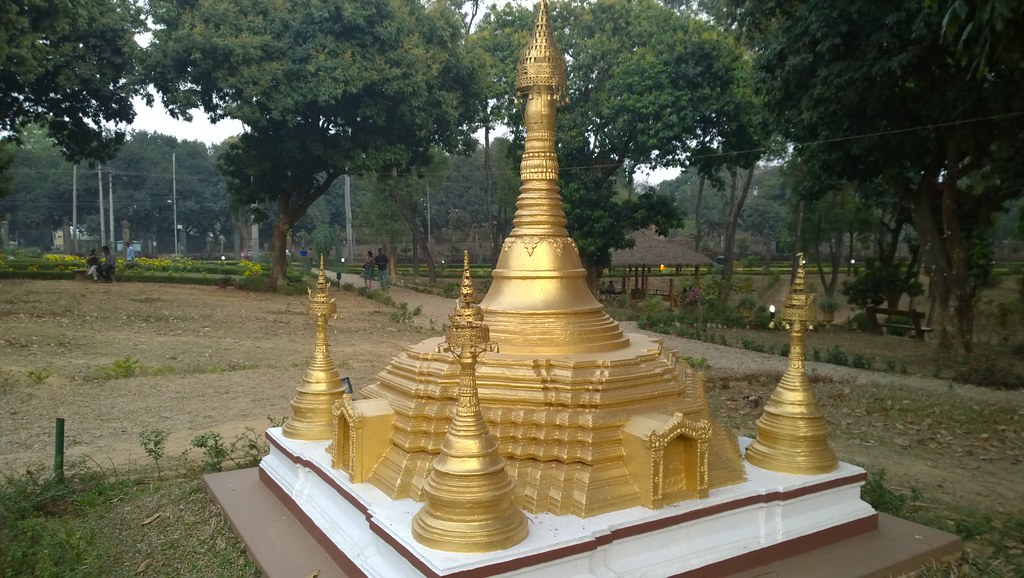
324	89
70	67
647	86
868	93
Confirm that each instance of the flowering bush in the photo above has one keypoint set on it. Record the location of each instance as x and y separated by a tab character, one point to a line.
251	269
693	296
166	264
56	262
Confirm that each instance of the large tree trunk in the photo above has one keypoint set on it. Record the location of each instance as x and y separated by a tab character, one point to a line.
409	215
835	256
737	199
798	242
278	257
943	240
492	223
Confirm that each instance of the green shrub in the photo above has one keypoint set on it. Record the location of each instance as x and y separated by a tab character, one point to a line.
836	356
215	453
987	369
888	500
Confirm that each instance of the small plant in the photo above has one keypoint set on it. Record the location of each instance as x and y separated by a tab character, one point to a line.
403	314
747	302
836	356
119	369
860	361
450	290
153	442
214	451
887	500
698	363
38	376
751	345
828	304
125	367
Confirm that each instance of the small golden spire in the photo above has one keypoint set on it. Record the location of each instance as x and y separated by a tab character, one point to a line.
469	505
311	417
792	435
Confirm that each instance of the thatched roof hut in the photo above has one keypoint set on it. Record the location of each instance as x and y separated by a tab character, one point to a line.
650	249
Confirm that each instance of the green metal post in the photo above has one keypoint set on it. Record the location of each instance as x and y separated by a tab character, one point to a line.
58	450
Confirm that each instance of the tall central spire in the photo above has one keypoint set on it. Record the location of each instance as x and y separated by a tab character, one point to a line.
539	301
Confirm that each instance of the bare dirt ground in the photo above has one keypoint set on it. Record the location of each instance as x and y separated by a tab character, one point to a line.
209	359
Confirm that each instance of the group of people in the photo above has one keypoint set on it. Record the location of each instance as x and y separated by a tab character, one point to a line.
380	262
104	269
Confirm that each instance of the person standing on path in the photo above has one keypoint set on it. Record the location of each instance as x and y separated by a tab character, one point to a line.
368	263
130	255
382	267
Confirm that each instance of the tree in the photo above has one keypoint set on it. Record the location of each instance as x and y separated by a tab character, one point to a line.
324	89
869	94
145	195
645	84
41	183
986	34
70	67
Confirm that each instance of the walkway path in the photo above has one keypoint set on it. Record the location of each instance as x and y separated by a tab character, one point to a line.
721	360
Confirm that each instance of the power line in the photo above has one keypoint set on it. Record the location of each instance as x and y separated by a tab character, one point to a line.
817	142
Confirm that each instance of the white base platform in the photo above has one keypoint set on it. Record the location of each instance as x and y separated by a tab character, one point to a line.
770	513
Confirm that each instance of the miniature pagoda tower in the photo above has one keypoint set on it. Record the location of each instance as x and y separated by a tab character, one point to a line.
792	436
590	420
311	417
468	493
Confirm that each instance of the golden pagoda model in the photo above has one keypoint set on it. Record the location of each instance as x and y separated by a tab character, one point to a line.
792	436
468	493
589	420
311	417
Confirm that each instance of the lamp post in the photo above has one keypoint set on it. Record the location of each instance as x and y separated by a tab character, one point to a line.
174	198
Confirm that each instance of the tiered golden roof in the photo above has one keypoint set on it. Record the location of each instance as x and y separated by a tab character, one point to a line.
568	392
311	417
792	435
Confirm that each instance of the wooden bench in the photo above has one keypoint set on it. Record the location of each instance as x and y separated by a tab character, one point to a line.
913	316
81	274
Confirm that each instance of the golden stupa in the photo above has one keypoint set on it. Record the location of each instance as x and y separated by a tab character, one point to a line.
792	436
469	495
311	417
590	420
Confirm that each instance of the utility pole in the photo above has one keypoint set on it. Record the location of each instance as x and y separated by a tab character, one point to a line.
430	239
348	221
74	207
174	197
110	207
103	224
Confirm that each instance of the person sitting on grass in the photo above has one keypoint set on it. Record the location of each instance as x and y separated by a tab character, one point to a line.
93	263
106	270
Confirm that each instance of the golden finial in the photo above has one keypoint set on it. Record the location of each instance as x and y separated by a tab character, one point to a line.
541	67
311	417
792	436
465	327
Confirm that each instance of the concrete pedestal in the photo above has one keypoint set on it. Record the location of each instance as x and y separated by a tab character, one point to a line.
297	515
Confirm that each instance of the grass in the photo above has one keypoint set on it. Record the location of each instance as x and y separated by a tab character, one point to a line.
106	522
